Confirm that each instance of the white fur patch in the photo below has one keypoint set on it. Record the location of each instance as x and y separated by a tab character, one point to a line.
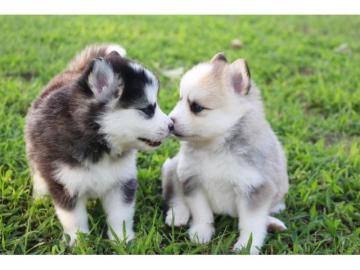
97	178
192	77
278	208
113	47
136	66
151	89
151	92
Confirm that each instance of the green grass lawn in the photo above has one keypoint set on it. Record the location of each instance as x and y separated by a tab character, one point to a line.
312	98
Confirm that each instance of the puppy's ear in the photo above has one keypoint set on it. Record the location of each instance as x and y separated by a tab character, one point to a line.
102	80
240	76
219	57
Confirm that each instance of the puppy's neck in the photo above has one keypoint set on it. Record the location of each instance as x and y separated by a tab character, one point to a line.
119	150
210	145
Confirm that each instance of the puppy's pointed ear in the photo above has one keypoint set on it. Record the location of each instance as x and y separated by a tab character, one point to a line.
102	80
240	76
219	57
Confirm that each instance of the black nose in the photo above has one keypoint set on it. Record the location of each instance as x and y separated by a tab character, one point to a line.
171	126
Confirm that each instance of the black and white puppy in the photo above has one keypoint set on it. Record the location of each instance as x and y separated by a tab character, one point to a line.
230	160
82	134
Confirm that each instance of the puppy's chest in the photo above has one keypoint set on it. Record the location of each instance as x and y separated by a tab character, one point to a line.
221	175
95	179
216	174
210	168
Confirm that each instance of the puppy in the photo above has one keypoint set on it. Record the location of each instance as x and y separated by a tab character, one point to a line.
82	134
230	161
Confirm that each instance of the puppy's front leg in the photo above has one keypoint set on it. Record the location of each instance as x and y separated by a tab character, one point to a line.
119	205
201	228
252	223
73	219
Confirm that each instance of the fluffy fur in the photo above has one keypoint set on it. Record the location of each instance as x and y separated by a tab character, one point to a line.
83	131
230	161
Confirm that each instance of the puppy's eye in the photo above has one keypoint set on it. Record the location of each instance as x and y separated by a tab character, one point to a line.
196	108
149	110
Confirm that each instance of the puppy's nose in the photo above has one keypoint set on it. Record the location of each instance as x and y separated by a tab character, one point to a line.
171	127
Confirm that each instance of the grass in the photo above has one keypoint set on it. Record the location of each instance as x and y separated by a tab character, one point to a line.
312	98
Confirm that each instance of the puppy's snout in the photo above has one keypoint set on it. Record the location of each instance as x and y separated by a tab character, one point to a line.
172	125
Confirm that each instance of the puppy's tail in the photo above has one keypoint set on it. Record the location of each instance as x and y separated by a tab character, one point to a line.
275	225
93	51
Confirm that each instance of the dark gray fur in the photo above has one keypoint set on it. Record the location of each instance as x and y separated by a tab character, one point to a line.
259	194
189	185
168	192
129	189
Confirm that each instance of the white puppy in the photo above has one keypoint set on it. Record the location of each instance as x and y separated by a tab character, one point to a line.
230	161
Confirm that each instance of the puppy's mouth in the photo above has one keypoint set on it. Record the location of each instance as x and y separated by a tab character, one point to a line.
177	134
149	142
182	136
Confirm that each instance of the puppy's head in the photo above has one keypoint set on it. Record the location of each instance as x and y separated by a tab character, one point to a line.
131	116
213	97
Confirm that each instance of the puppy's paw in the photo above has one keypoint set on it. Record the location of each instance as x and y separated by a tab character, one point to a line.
201	233
242	244
72	237
179	216
69	239
130	235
